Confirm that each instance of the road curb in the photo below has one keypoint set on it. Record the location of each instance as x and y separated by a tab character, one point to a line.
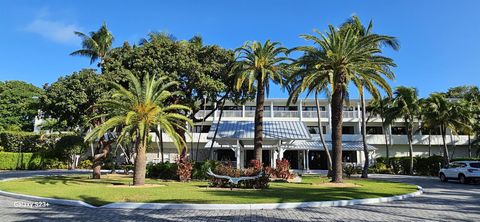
179	206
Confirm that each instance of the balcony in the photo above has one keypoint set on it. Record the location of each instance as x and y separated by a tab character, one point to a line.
350	114
313	114
285	114
436	140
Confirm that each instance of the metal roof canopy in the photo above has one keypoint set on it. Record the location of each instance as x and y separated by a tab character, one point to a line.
274	132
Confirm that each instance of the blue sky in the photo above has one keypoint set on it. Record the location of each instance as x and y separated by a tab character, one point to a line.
439	39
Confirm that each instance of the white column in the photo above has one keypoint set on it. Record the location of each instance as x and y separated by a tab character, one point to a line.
238	154
304	160
271	109
359	116
273	162
300	106
243	111
308	160
214	112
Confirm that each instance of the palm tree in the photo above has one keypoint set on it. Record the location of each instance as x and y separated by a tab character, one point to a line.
257	65
371	85
95	45
405	105
380	106
296	85
136	110
345	57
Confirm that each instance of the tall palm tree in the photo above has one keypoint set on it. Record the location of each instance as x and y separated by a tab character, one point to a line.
95	45
380	106
344	57
405	105
136	110
371	85
303	68
257	65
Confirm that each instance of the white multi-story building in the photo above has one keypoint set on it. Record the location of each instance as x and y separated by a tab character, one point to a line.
234	141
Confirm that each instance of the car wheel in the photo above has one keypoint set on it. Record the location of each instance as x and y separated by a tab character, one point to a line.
462	179
443	178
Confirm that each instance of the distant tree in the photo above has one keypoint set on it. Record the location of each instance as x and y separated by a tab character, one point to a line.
70	99
95	45
18	105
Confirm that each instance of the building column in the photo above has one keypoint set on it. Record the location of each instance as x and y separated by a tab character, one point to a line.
329	115
214	112
304	160
243	111
271	109
359	116
300	106
308	160
238	155
273	162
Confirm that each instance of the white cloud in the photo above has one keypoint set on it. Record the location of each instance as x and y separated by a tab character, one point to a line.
56	31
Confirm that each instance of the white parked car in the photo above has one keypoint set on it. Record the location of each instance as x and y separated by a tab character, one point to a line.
463	171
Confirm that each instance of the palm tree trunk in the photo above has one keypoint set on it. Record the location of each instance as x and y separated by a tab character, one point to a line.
469	147
210	153
446	158
410	146
364	138
258	138
140	162
387	148
322	139
161	144
337	122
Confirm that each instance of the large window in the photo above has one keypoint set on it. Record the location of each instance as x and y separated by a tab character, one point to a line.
314	129
399	130
199	129
313	108
374	130
285	108
348	130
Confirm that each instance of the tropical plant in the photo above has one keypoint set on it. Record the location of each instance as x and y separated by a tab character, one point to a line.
379	106
405	105
343	57
257	65
371	85
95	45
139	108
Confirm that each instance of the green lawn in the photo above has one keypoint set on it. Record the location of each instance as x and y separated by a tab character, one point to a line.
101	192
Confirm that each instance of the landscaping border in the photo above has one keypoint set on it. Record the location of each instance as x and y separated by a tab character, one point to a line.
180	206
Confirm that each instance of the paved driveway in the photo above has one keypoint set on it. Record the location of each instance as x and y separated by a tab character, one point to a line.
440	202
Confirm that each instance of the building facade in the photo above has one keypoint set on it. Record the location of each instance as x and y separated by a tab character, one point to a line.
307	154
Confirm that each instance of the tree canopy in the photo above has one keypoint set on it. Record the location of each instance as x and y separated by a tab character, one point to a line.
18	105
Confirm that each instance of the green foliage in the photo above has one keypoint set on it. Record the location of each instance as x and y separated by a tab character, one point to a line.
165	171
13	141
18	105
200	169
96	45
85	164
69	145
54	163
20	161
424	166
70	99
228	170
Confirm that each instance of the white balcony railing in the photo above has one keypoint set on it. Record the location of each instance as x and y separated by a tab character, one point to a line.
350	114
232	113
285	114
313	114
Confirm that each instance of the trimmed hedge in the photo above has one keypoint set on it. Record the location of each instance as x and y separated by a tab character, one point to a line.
30	142
20	161
425	166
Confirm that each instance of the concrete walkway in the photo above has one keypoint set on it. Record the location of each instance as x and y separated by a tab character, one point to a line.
440	202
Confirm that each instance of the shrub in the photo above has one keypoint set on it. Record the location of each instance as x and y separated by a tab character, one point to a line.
54	163
350	169
200	169
425	166
228	170
85	164
165	171
20	161
282	171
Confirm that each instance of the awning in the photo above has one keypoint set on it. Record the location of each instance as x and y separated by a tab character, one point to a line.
272	130
314	145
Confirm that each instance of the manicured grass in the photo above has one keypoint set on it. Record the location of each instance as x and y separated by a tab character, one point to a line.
100	192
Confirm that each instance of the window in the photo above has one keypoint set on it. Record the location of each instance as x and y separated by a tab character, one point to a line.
399	130
313	108
252	108
475	165
314	129
374	130
199	129
285	108
348	130
232	108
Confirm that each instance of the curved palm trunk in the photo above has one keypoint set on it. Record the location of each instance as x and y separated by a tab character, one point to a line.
446	157
102	152
322	139
210	152
337	122
364	138
258	138
387	148
410	145
140	162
